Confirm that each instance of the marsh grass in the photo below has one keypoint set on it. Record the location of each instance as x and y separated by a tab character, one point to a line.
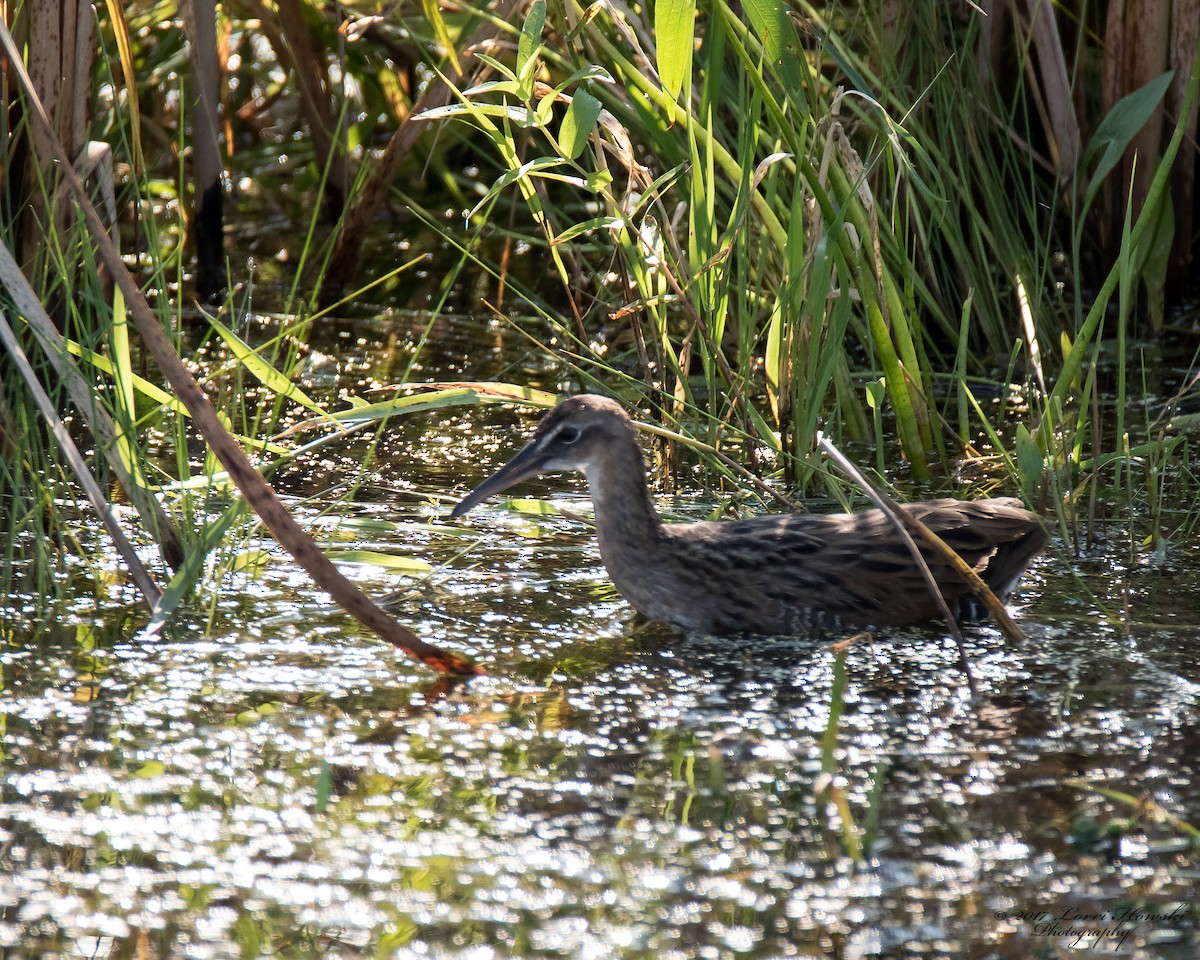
830	228
756	227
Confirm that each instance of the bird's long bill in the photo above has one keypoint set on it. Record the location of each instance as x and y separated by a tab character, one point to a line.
528	463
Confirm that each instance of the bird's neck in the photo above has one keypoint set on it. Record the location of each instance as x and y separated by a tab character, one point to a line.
639	556
617	485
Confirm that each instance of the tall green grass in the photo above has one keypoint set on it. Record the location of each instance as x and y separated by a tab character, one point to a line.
827	227
760	222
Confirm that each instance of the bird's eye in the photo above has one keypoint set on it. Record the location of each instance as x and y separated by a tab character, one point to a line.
568	434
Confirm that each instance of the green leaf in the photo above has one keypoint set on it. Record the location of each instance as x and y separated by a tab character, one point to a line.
530	42
520	115
150	769
433	16
270	378
144	387
462	394
538	166
772	359
1029	462
387	561
1153	257
590	72
491	86
545	108
598	223
768	18
531	507
578	124
496	65
247	717
674	28
324	784
1120	126
599	179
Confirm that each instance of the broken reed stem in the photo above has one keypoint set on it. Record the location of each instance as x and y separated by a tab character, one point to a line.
261	498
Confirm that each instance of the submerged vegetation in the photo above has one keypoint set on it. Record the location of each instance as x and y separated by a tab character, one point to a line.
293	240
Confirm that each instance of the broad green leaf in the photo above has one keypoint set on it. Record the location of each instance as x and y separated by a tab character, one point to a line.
599	179
674	29
150	769
545	108
578	123
1120	126
1029	462
324	785
772	22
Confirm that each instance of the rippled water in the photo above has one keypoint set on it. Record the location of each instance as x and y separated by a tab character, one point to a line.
265	779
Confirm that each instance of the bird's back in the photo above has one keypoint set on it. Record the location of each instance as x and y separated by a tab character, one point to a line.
794	573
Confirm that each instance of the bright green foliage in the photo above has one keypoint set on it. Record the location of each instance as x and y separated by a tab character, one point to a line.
846	203
673	26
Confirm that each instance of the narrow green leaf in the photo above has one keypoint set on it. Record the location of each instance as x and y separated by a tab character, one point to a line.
531	507
520	115
144	387
462	394
496	65
773	357
266	374
837	703
536	167
598	223
897	385
491	86
433	16
531	38
590	72
387	561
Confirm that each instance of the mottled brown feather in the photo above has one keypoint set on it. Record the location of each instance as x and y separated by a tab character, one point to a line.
779	574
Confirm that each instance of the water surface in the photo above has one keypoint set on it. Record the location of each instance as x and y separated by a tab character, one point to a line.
266	779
